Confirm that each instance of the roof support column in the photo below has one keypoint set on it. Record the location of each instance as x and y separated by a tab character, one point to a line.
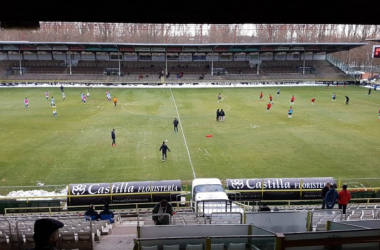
212	62
304	62
19	53
70	61
258	65
348	66
118	56
166	62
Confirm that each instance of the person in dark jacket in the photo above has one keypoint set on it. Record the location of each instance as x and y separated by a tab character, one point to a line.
222	115
106	211
331	197
163	207
113	136
164	148
46	234
217	115
175	123
265	208
92	213
325	189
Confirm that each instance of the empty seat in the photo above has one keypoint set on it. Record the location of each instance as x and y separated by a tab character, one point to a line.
236	246
217	246
194	247
149	247
171	247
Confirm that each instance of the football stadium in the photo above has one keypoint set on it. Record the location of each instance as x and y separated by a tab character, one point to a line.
178	146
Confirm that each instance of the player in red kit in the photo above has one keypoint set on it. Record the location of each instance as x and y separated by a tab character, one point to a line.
261	96
269	105
270	98
292	100
312	101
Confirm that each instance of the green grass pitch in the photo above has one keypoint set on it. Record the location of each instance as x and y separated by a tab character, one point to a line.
326	139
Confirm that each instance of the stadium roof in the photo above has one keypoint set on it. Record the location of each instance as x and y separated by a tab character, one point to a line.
177	48
26	13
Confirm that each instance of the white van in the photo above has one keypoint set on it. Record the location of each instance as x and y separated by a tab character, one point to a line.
208	196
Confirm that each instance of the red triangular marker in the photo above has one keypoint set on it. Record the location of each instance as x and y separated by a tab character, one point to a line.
208	136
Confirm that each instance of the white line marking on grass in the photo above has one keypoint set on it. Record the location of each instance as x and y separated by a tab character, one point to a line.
183	134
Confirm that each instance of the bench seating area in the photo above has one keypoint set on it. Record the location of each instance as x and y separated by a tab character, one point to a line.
16	232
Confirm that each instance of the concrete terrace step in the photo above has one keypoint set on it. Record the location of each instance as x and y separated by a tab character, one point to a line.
121	237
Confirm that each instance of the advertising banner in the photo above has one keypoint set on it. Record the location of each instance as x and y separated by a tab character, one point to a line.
134	192
212	57
131	57
10	48
172	57
185	58
158	58
281	188
225	58
239	57
145	58
45	47
199	57
60	48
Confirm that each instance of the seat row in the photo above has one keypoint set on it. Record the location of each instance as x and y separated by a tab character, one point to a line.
216	246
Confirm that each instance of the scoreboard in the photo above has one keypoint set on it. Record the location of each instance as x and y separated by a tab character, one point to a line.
376	51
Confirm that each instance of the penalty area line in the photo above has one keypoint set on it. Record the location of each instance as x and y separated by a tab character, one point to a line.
183	134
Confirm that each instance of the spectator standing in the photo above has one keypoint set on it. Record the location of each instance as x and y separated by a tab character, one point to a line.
163	150
325	189
218	114
344	197
46	234
175	123
161	208
113	137
222	115
331	197
91	213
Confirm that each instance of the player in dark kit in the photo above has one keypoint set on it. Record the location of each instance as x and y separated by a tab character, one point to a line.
175	123
113	136
164	148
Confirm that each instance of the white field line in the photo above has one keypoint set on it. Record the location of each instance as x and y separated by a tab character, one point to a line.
183	134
